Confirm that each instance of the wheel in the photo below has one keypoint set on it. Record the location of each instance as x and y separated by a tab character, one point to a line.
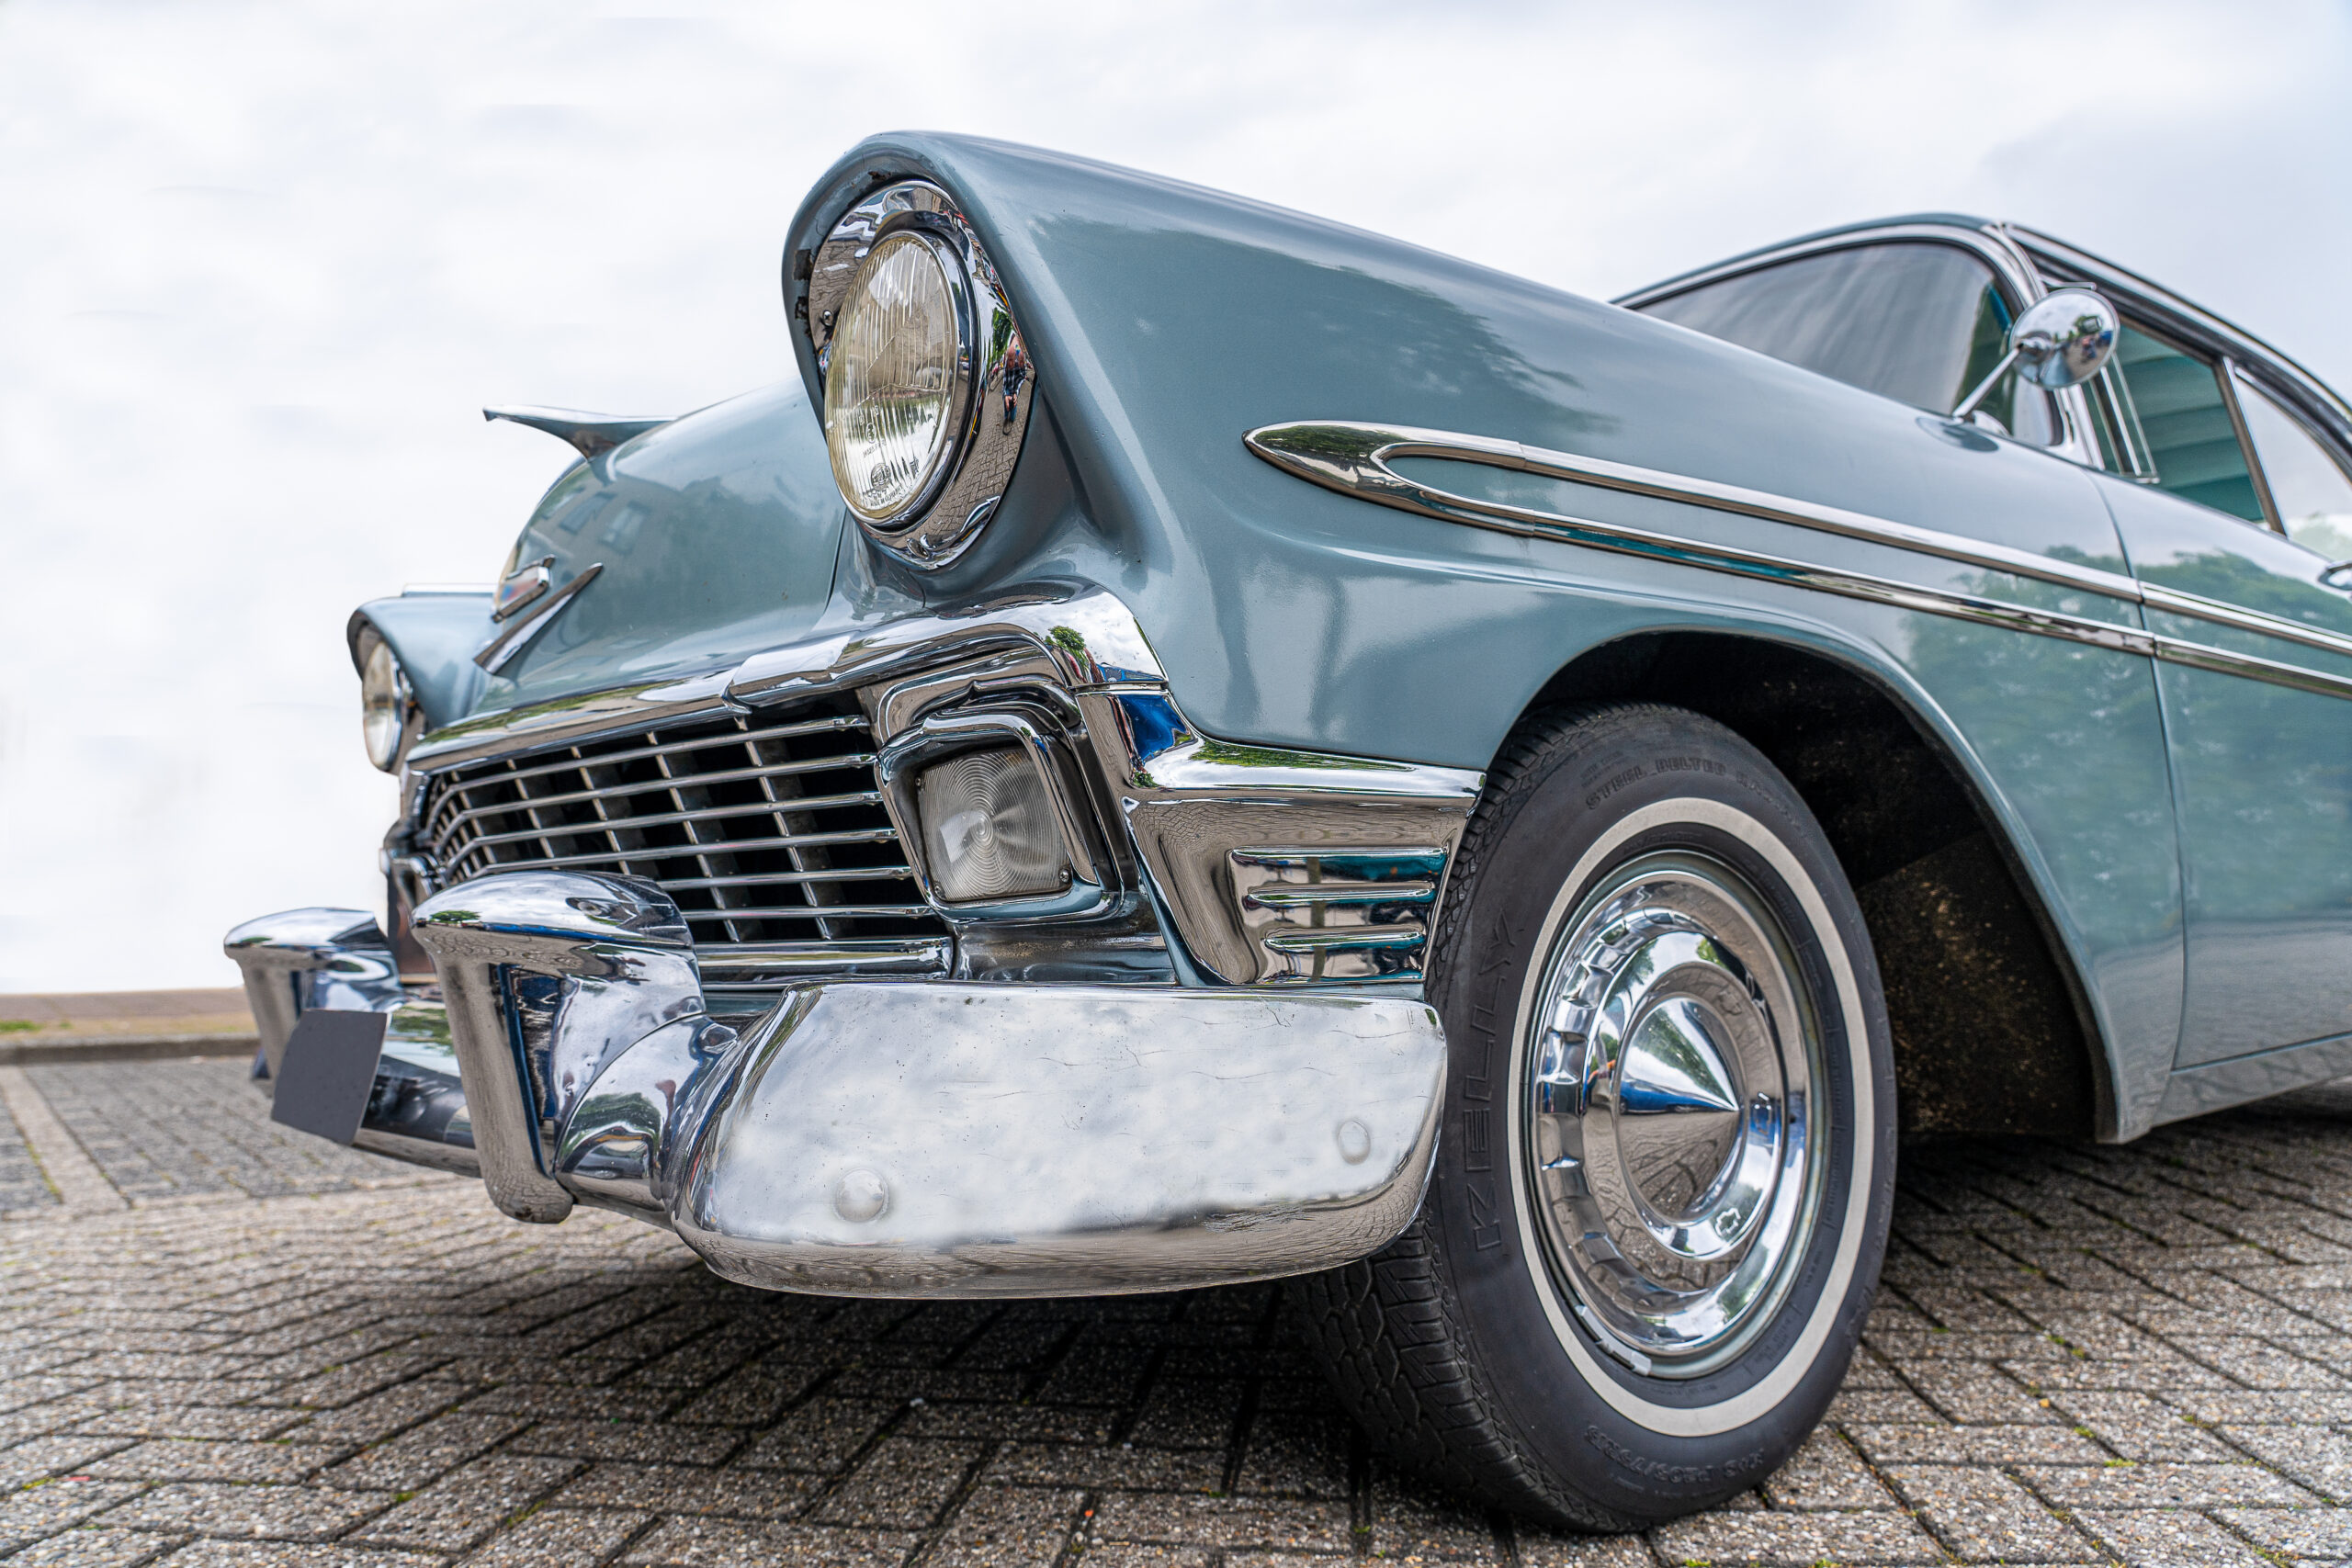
1663	1181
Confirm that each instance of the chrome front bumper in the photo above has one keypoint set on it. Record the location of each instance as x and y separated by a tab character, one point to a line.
918	1138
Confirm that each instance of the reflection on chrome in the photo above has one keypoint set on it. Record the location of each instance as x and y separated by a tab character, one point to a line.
1669	1110
925	1138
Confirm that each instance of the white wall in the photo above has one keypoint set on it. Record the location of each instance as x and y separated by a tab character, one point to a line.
261	266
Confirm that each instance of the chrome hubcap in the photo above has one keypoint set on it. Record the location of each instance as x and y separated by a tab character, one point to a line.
1667	1113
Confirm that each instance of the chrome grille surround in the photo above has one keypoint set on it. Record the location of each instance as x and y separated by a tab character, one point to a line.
767	830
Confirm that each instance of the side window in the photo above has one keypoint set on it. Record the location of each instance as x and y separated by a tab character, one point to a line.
2183	412
2308	487
1915	322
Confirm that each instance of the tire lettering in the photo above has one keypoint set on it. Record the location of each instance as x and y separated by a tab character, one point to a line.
1486	1231
1631	775
1689	765
1476	1154
1674	1474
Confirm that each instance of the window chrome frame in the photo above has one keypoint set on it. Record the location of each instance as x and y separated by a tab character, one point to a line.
1990	243
2232	348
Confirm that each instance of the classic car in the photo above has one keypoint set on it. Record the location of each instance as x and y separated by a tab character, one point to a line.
1187	743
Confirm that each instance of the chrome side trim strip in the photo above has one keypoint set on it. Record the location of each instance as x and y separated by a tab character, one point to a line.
1352	458
2197	607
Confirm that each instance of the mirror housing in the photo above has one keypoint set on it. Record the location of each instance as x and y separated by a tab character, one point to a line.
2061	340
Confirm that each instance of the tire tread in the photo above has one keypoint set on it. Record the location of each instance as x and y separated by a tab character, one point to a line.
1400	1360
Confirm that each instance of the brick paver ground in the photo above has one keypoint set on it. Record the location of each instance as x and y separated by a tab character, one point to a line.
2081	1356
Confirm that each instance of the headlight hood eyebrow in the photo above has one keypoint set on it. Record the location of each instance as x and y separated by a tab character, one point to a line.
434	634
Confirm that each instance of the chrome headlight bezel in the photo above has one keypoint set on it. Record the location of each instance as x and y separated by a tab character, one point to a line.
390	718
948	509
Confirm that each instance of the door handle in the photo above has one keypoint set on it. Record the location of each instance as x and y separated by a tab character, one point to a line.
2327	573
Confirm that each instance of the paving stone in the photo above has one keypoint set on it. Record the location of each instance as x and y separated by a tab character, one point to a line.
1297	1454
1778	1538
1542	1549
273	1513
2127	1485
417	1455
616	1439
1984	1516
820	1436
1825	1472
91	1548
902	1485
190	1421
558	1539
1011	1525
1049	1423
462	1507
733	1543
2321	1460
32	1512
683	1489
2324	1533
2140	1427
1979	1445
1121	1467
2166	1539
1411	1522
40	1458
141	1127
401	1376
165	1459
258	1554
1217	1521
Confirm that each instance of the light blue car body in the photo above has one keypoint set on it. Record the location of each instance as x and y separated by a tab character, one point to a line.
1166	322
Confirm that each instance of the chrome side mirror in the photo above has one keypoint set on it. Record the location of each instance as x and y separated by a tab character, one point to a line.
2062	340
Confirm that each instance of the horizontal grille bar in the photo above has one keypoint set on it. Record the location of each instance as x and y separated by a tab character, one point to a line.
731	775
593	825
725	846
809	912
639	753
707	810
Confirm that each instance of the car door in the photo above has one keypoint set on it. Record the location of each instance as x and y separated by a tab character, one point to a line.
2255	671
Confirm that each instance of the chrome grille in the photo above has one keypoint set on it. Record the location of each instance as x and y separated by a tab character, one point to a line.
762	830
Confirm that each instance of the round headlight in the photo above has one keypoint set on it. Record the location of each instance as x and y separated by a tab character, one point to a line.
385	703
894	382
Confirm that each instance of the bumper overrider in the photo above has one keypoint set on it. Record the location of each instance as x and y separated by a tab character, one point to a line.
1269	1107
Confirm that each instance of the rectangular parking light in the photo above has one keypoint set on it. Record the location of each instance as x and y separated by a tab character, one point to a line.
988	829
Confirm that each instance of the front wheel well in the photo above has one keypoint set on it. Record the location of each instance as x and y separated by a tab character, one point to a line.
1991	1031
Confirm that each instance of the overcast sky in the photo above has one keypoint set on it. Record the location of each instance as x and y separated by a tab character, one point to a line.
261	266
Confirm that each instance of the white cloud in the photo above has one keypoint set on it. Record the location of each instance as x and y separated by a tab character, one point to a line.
265	262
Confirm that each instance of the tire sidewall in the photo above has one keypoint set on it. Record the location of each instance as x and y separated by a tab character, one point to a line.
1628	782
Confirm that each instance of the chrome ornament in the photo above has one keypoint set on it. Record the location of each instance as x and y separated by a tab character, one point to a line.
1670	1114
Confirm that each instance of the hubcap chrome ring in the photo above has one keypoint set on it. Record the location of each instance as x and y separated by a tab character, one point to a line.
1672	1115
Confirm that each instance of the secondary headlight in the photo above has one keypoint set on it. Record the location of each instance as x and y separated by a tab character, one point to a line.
895	379
988	829
386	704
